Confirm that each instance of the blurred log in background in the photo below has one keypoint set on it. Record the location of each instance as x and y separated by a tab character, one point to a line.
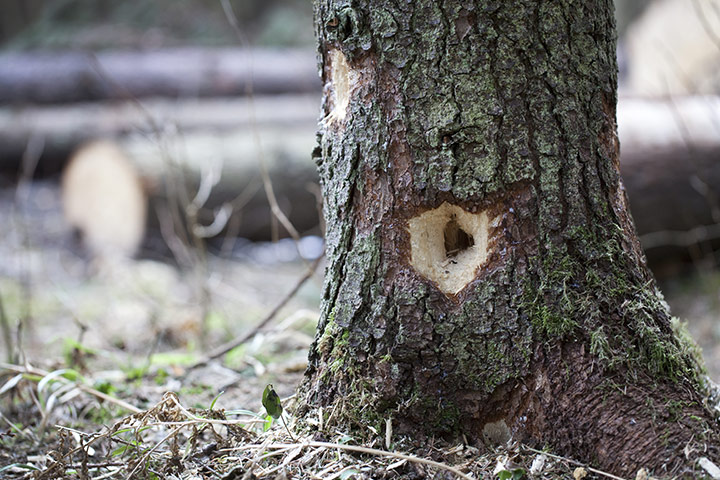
168	85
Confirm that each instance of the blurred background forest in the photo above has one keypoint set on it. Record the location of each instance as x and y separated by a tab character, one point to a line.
157	195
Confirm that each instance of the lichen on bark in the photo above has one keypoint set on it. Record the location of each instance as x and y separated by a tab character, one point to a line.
505	108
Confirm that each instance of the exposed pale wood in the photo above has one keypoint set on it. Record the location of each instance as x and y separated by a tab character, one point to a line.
670	148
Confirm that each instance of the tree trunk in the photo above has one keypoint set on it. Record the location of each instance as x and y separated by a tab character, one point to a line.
484	274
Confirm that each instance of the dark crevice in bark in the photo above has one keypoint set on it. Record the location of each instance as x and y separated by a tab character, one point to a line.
504	110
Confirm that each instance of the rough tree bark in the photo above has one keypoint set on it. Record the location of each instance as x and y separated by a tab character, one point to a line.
484	274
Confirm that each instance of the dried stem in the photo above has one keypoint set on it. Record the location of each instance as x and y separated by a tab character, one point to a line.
226	347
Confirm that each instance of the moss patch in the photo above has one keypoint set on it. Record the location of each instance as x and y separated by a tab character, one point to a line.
587	290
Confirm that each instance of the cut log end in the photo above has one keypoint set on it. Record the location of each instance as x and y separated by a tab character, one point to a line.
103	199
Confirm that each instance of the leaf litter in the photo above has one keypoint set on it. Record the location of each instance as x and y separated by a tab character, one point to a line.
171	440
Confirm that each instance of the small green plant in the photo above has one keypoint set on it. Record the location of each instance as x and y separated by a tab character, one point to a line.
75	353
514	474
104	386
273	406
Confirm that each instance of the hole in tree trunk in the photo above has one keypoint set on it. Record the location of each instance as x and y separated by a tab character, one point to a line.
448	244
457	240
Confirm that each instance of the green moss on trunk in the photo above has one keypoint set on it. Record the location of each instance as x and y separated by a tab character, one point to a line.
504	108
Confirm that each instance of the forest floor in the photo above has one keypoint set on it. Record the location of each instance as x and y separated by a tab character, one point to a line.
102	383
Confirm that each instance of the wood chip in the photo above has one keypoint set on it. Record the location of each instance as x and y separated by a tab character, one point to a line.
710	468
538	464
579	473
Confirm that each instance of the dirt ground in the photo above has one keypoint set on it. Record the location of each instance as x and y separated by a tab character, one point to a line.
132	329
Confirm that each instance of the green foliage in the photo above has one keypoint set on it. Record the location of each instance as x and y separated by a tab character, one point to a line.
271	402
135	373
589	280
74	352
104	386
214	400
514	474
268	423
172	358
161	376
235	357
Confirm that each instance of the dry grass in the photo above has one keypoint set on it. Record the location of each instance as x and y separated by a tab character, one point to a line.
170	440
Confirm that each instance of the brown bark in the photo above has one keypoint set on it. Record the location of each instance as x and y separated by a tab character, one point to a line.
673	182
543	323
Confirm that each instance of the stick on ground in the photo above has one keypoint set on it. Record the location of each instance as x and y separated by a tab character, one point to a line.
226	347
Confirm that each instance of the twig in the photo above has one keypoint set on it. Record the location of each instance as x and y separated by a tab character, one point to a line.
84	388
110	399
267	184
574	462
286	428
410	458
226	347
109	474
149	452
270	192
194	419
7	335
370	451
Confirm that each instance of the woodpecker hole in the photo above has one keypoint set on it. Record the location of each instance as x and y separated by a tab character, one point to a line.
448	245
457	240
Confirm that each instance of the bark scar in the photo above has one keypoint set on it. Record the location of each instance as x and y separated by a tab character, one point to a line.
342	81
448	244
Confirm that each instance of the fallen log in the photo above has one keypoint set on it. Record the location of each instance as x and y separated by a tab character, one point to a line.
670	162
670	155
63	128
61	77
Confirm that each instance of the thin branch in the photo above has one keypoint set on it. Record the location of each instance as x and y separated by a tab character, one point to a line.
226	347
574	462
6	333
110	399
149	452
96	393
267	184
286	428
372	451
